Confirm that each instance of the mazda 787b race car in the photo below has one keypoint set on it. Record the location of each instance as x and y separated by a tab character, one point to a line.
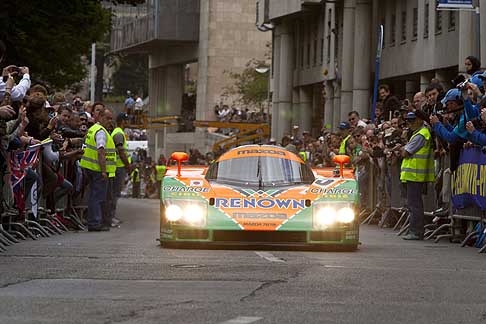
259	195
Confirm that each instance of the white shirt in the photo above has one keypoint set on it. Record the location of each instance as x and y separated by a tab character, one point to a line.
100	138
18	91
362	123
138	104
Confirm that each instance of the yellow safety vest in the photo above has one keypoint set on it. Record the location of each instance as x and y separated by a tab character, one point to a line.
135	175
303	156
342	148
420	166
89	160
119	162
160	169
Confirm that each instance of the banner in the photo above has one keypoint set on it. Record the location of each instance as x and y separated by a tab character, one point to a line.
469	180
455	4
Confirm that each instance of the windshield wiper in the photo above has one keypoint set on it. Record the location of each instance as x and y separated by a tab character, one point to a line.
259	174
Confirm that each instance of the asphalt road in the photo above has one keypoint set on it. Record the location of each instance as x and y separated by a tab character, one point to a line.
123	276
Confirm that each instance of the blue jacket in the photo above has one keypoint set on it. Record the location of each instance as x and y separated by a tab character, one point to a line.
477	138
459	132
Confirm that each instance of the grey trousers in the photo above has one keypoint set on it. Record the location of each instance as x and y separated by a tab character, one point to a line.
415	203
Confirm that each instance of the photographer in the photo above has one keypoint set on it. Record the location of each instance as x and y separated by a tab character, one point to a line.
17	92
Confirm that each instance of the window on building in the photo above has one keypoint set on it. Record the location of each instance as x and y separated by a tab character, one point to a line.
415	24
438	21
452	20
393	29
403	37
383	23
426	21
308	58
315	33
302	44
330	31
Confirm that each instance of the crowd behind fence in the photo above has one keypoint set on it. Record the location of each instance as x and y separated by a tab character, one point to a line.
44	188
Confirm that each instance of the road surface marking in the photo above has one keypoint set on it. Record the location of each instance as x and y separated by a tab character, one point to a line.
269	257
243	320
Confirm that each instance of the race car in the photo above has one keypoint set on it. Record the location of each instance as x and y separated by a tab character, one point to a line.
259	195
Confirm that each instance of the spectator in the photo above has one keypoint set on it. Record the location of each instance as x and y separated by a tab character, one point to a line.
472	65
129	103
355	120
390	102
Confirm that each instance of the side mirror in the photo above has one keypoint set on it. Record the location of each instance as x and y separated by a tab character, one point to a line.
341	160
179	157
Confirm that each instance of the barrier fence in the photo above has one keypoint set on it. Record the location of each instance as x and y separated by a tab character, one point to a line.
37	201
455	205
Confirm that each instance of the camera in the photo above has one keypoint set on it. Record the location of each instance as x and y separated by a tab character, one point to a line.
462	85
458	80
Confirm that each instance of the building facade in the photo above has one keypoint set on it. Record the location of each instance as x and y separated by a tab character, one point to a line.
218	35
324	53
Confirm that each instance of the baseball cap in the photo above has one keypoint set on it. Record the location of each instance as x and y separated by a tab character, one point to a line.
411	115
452	94
344	125
122	116
477	80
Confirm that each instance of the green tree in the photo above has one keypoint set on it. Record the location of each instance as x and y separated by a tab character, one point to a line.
131	74
51	36
250	86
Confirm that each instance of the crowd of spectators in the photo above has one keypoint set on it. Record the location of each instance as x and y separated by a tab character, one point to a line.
43	139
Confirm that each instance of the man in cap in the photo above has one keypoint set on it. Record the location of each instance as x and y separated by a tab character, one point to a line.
345	133
123	163
459	111
417	169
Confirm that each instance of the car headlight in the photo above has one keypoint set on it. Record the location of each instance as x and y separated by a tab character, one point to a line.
346	215
186	212
173	213
328	214
194	214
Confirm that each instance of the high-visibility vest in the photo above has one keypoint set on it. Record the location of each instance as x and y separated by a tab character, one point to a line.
342	148
160	169
135	175
89	160
303	156
420	166
119	162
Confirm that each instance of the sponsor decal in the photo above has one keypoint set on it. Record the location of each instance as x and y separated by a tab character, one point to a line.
332	191
196	183
185	189
260	215
265	203
261	151
257	224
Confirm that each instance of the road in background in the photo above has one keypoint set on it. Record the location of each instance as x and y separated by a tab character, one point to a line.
123	276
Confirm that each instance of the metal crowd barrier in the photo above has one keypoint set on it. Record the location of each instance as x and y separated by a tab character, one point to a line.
31	217
388	206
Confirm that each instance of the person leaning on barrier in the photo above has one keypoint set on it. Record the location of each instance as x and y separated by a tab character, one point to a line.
99	162
416	170
123	161
452	128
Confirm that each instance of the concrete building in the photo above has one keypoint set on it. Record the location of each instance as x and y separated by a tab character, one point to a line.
323	54
219	35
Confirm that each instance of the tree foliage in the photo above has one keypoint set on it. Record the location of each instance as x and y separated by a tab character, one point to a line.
131	74
249	86
51	36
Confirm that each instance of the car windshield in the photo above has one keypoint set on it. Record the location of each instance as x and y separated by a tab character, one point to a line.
260	171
